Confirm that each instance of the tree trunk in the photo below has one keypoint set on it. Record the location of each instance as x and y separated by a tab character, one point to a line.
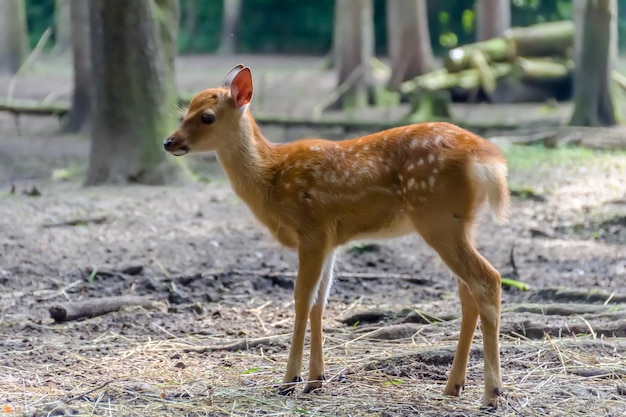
13	35
129	101
168	12
62	26
353	46
595	57
230	19
493	18
410	50
79	113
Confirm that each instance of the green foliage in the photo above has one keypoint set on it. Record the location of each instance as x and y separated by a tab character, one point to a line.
39	17
306	26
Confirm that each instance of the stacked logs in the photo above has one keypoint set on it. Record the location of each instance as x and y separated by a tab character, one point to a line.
530	64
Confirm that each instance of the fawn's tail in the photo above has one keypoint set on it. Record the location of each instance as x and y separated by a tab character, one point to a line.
491	176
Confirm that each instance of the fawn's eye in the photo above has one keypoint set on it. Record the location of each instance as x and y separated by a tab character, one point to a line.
207	118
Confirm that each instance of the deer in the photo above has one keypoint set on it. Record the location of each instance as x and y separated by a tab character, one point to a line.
315	196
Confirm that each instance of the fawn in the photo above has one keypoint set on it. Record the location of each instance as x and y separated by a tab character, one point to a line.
315	195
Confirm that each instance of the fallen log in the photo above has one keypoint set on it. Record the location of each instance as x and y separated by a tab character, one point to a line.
541	40
33	107
542	70
468	79
496	50
98	306
544	39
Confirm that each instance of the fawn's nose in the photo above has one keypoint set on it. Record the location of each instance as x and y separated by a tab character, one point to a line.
167	143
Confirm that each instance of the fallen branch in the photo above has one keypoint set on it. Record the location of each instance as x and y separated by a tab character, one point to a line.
340	275
98	306
558	309
77	222
61	109
561	295
535	330
244	344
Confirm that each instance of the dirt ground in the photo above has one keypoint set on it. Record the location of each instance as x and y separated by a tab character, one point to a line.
216	338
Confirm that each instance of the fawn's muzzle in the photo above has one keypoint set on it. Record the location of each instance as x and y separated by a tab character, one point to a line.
175	147
167	143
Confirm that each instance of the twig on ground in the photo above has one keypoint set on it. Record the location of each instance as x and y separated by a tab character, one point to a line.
236	346
98	306
77	222
99	387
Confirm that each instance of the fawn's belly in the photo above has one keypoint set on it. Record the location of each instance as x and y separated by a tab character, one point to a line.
398	226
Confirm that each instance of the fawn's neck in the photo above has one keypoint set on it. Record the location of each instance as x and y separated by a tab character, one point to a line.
246	159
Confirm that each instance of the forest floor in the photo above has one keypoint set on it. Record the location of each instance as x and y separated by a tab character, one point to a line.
213	337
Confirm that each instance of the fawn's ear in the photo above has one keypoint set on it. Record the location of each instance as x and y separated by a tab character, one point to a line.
228	78
241	88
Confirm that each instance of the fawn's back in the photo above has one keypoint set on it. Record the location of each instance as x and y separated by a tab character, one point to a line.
367	187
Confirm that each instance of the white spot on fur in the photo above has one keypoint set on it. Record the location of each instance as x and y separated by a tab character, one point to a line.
411	166
366	148
400	177
431	181
431	158
316	148
414	143
411	183
420	162
423	185
438	140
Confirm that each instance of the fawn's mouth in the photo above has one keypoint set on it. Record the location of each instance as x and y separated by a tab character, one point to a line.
180	151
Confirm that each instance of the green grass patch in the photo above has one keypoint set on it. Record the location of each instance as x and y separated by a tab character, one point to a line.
529	158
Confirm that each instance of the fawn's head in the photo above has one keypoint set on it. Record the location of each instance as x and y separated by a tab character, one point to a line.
213	115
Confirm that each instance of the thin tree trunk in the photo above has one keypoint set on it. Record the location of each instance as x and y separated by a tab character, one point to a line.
230	20
595	57
168	12
62	26
13	35
129	102
408	38
79	114
353	51
493	18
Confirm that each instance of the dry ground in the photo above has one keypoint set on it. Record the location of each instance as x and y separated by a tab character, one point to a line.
221	280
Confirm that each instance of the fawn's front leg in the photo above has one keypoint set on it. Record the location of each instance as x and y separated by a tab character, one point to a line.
316	359
311	260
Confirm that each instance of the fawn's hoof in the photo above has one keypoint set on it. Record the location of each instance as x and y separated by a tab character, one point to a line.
314	385
490	402
453	390
287	388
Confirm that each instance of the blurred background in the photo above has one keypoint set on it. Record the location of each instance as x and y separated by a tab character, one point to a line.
321	68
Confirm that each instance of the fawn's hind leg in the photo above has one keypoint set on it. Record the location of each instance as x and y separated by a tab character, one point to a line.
450	236
469	320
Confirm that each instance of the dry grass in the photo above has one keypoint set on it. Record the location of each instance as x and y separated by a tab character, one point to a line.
121	375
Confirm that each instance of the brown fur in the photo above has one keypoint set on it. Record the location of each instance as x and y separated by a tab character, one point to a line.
315	195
